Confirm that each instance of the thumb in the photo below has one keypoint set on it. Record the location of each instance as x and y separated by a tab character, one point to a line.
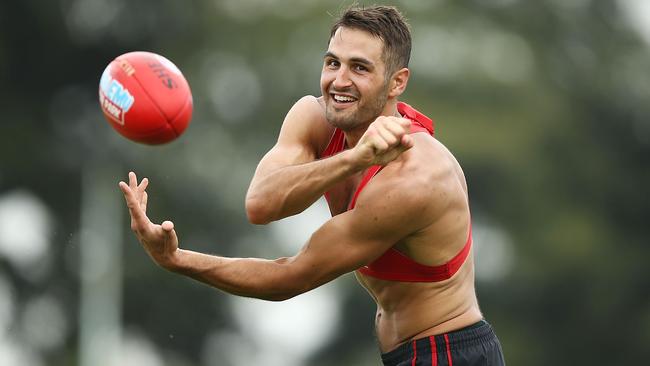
167	226
169	232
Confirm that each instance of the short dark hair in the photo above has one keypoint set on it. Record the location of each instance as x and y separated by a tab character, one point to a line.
385	22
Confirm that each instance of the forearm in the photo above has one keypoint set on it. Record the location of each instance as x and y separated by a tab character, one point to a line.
249	277
289	190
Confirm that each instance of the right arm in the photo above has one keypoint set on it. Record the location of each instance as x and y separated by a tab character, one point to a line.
289	179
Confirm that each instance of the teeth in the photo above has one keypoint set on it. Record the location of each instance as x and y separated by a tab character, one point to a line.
342	98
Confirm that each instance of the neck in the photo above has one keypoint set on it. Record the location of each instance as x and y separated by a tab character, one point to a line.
352	137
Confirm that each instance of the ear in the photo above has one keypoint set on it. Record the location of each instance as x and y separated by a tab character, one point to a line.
398	82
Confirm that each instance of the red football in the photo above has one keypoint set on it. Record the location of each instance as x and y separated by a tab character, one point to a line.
145	97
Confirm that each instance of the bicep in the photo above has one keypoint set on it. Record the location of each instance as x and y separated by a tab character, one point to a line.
300	137
355	238
283	155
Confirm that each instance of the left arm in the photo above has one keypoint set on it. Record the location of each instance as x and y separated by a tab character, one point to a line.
343	244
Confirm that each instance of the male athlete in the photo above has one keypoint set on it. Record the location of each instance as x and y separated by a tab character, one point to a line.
398	198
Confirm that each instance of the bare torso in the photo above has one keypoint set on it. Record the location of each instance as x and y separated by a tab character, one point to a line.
410	310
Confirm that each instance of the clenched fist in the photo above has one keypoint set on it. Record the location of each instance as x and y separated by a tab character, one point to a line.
384	140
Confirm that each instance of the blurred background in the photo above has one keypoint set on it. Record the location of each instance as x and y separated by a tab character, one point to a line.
546	104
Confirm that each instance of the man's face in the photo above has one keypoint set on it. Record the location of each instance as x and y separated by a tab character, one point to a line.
353	80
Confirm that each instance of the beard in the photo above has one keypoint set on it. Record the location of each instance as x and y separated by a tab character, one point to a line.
367	109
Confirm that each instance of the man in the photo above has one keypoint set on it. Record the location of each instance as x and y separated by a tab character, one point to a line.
398	199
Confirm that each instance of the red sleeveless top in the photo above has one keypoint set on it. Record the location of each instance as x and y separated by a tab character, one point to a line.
393	265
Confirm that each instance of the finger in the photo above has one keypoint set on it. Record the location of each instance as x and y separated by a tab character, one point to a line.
387	135
141	189
405	123
133	180
143	185
138	217
397	128
399	125
124	188
373	139
128	193
407	142
380	145
143	202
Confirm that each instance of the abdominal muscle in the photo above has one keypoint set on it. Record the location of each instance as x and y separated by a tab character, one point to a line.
412	310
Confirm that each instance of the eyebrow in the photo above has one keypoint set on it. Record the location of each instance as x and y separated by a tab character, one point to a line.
359	60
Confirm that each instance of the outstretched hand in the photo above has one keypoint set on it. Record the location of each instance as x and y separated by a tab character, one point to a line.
160	241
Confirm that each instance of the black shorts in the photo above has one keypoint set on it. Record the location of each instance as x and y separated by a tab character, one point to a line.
475	345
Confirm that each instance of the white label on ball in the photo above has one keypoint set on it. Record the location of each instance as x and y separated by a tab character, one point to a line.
114	98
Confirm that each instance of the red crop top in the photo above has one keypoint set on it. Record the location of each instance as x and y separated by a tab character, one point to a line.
393	265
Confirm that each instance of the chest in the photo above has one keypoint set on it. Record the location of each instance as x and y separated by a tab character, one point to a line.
340	195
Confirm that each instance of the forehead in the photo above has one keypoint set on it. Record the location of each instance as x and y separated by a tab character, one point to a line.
354	43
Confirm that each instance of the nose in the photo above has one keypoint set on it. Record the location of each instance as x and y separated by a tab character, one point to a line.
342	79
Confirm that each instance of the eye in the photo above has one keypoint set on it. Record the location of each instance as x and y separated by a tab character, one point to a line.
360	68
331	63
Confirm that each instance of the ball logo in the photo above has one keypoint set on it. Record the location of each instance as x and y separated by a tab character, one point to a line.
161	72
114	98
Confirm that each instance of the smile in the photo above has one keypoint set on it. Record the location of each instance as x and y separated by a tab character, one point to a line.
341	99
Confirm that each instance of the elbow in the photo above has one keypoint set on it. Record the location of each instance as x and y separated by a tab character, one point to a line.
284	294
280	297
258	212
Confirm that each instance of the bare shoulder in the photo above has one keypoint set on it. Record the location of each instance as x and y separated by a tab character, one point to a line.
432	160
306	118
310	105
421	184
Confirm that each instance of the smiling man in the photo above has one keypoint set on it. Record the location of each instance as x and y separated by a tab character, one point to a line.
400	211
